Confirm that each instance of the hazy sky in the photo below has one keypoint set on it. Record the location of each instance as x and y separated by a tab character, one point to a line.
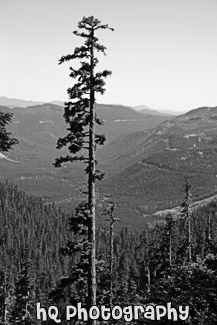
163	53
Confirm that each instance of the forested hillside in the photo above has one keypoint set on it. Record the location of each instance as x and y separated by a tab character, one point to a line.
38	127
154	164
150	266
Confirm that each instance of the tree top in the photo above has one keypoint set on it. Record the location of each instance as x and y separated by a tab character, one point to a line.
91	23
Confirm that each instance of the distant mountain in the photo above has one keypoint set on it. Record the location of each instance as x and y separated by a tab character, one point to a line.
143	107
12	102
117	120
38	127
123	119
147	110
146	171
57	102
174	113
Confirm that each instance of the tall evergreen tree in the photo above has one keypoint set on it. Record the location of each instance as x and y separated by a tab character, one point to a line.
186	215
81	117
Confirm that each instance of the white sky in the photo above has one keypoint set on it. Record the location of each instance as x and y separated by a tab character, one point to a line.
163	53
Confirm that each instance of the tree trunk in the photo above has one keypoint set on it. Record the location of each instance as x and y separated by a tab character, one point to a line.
91	194
189	235
170	249
111	262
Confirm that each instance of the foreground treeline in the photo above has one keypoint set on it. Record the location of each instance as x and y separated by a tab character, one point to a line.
150	267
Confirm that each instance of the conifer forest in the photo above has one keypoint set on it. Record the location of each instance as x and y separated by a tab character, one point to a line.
53	255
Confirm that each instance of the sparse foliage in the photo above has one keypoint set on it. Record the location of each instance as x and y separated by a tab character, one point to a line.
82	138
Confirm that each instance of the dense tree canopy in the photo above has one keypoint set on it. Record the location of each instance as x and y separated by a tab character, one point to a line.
6	141
142	272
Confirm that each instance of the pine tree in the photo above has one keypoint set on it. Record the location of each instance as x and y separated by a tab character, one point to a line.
168	237
81	116
209	245
112	219
3	298
6	141
186	216
22	312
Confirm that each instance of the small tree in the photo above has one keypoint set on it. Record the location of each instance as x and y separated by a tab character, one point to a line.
112	220
81	117
4	297
169	236
186	216
6	141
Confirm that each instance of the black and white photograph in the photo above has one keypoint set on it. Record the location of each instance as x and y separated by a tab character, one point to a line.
108	162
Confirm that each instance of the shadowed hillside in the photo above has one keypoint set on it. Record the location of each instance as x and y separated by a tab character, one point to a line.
38	127
146	170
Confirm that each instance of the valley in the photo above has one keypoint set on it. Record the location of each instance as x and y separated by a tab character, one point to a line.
29	164
147	158
147	170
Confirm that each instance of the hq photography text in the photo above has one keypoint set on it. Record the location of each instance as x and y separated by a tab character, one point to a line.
128	313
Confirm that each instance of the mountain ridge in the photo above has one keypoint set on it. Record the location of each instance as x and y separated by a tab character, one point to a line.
14	102
38	128
150	168
145	170
117	119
